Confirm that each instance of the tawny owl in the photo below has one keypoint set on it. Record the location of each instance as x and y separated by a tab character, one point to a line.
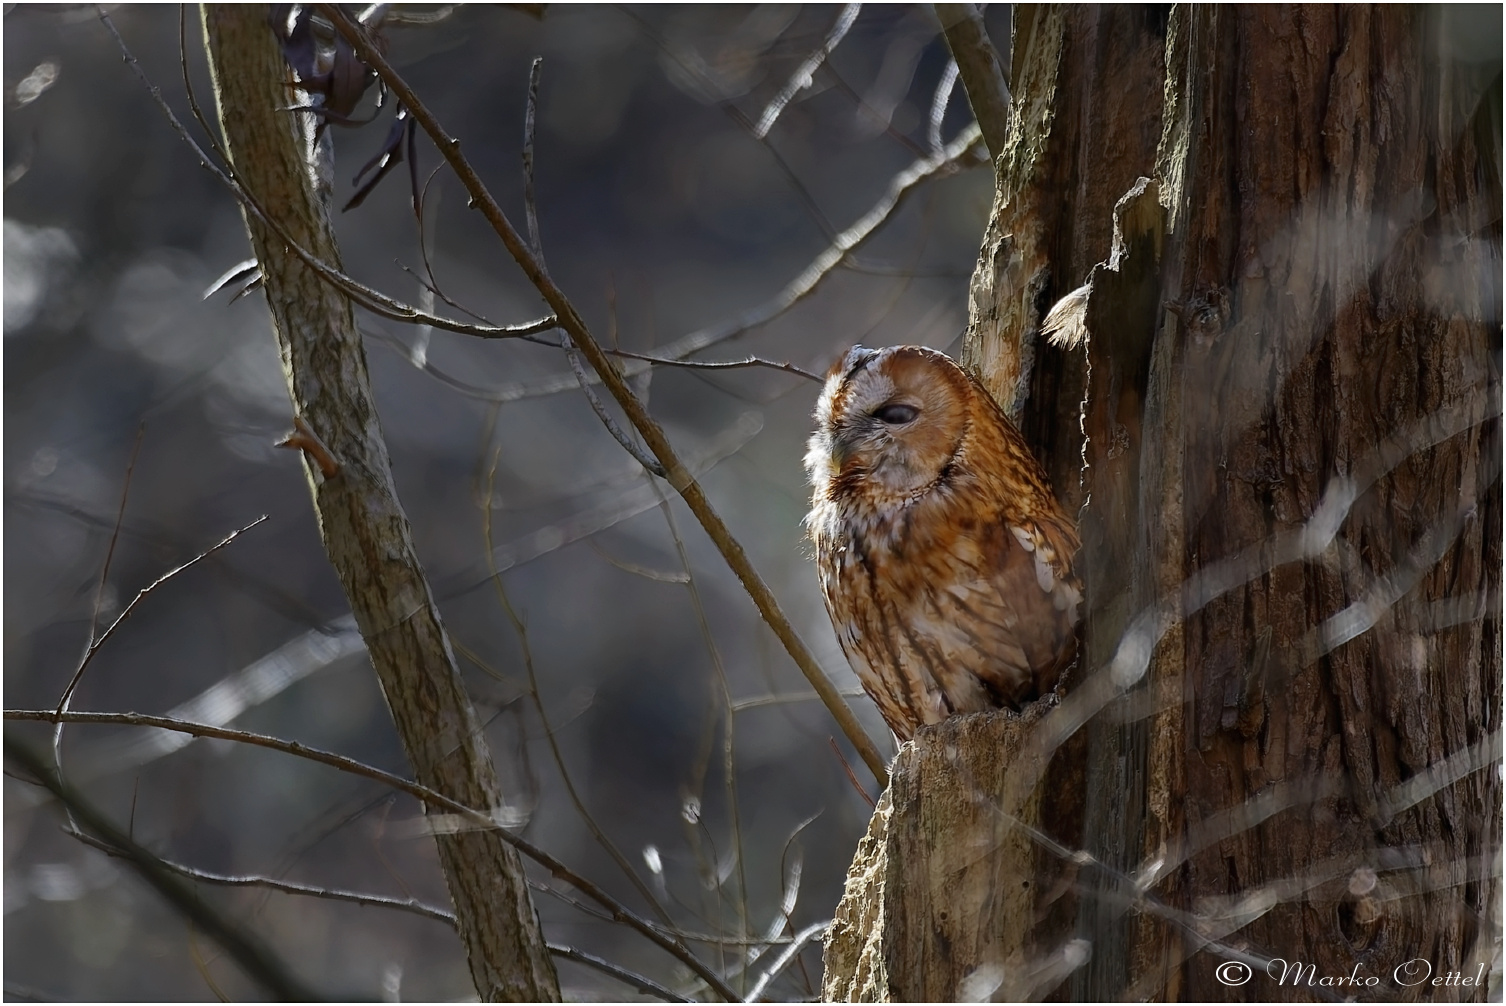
945	561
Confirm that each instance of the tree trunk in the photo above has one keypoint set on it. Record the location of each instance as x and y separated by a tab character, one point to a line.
360	519
1288	465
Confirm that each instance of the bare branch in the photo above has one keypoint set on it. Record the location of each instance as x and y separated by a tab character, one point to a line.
526	649
805	74
781	962
978	65
410	905
748	361
531	214
639	982
939	104
626	442
530	207
221	703
362	295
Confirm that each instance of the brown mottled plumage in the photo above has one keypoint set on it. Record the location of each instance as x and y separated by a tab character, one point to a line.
944	558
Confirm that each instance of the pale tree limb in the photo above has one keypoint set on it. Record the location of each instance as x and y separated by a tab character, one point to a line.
653	434
801	79
361	521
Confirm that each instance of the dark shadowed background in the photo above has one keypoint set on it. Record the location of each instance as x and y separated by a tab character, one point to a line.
661	214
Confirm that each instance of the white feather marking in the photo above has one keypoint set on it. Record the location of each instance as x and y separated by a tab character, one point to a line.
1023	537
1044	574
1067	598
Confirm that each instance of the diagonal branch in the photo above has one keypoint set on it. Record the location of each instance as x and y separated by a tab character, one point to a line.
801	79
653	435
142	595
978	66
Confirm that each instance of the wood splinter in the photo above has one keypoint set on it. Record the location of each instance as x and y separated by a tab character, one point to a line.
305	439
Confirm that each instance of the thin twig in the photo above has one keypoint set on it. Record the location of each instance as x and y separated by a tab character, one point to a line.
531	213
729	732
626	442
104	570
530	207
141	595
410	905
188	89
420	213
92	642
789	698
851	775
806	72
642	984
255	959
653	434
748	361
671	944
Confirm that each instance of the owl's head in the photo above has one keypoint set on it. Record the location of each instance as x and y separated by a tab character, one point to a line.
888	422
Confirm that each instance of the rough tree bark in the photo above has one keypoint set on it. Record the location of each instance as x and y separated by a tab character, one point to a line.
360	519
1296	308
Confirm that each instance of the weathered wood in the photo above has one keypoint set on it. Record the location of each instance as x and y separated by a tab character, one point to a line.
1334	282
940	899
1306	291
361	521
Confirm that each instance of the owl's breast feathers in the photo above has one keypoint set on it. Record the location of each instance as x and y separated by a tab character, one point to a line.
959	599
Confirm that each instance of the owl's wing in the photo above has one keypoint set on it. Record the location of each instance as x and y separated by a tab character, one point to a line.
1015	622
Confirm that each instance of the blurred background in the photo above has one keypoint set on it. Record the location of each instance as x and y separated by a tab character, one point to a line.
687	733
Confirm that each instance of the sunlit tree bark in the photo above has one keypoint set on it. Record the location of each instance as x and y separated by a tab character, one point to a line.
1287	455
361	521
